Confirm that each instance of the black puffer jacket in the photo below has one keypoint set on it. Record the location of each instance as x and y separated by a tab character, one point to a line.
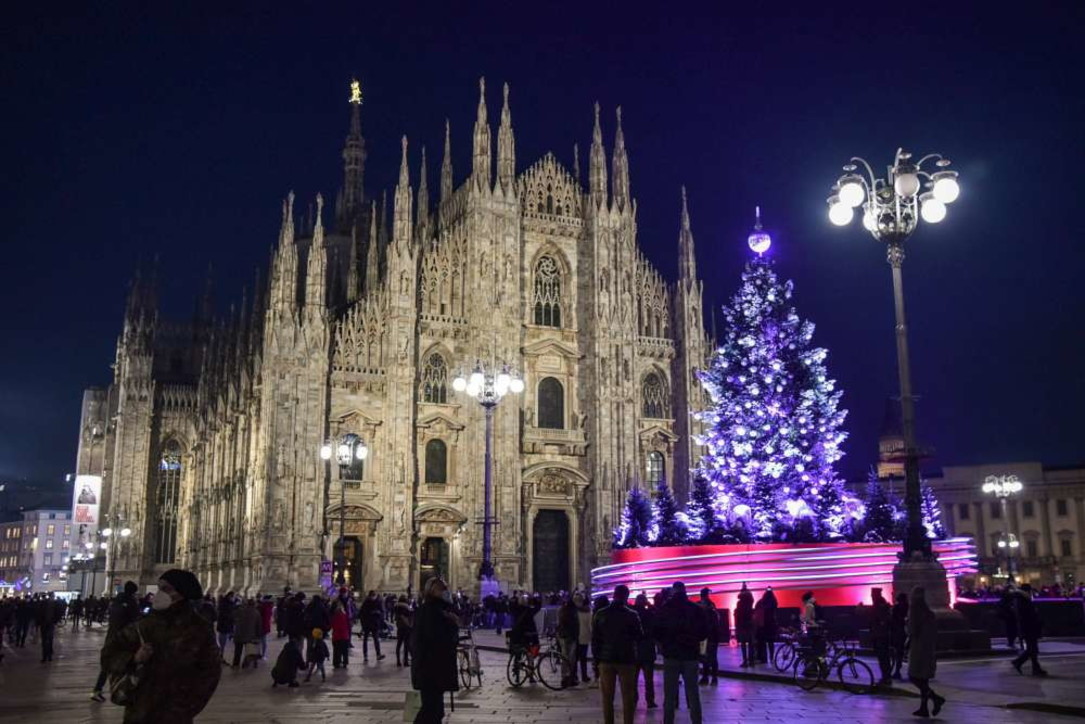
680	628
616	630
433	641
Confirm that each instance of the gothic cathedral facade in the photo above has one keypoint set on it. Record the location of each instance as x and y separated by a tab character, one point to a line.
208	439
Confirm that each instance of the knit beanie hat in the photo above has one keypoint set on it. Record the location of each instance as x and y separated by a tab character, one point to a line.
184	582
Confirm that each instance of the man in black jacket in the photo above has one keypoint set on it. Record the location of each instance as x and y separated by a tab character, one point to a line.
434	639
1028	620
122	611
680	628
881	625
616	630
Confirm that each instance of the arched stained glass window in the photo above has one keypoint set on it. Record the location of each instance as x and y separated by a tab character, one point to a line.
655	467
551	404
436	462
654	396
166	503
435	379
547	297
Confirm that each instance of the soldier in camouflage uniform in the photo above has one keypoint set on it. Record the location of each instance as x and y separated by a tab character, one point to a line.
173	653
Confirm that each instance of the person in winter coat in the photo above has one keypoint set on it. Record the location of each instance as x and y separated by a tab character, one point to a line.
1007	611
318	653
316	616
615	633
898	633
1029	624
172	652
766	625
711	667
371	615
646	650
225	620
247	627
404	618
434	639
287	666
744	625
267	613
922	658
583	640
122	611
295	619
881	624
568	631
680	628
340	636
49	614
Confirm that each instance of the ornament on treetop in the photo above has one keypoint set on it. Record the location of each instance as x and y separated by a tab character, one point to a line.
759	241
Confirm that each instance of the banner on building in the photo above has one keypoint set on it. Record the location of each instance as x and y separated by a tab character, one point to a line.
87	498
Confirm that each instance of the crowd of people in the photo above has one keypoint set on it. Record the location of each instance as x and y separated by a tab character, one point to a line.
1055	590
163	653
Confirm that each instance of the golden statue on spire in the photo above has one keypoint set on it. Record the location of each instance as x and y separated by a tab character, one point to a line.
355	91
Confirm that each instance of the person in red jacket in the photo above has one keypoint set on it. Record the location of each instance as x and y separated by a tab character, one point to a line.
267	612
340	636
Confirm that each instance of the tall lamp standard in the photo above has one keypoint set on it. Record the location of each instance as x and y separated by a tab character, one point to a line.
488	389
117	530
1002	487
349	448
892	208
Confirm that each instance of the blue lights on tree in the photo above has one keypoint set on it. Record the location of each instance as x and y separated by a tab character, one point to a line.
773	431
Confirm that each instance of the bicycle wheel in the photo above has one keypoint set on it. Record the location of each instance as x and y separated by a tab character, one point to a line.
809	671
516	671
550	667
856	676
784	658
464	663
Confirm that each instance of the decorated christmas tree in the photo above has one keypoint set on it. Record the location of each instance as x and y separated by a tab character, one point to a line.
636	529
670	524
881	523
773	431
705	526
932	513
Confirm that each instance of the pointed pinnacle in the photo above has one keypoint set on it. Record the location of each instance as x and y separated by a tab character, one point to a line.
597	132
685	209
404	176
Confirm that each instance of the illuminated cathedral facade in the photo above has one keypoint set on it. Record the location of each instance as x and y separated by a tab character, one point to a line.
208	439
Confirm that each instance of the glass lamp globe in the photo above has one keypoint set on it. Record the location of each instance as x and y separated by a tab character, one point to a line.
501	383
103	546
906	184
516	385
931	209
851	191
344	452
459	384
870	221
946	189
325	452
476	379
106	532
839	213
125	532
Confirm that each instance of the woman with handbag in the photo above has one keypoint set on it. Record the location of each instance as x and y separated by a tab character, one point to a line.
165	667
247	632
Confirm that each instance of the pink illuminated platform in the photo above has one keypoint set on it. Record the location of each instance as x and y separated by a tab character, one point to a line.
840	574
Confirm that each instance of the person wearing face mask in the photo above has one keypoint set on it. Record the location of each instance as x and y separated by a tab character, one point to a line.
172	652
433	642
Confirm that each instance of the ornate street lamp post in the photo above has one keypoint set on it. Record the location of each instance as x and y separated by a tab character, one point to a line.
348	448
892	208
1002	487
488	389
115	530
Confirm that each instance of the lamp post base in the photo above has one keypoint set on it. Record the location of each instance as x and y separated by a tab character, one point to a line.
954	633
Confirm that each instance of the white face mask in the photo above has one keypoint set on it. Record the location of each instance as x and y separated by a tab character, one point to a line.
161	601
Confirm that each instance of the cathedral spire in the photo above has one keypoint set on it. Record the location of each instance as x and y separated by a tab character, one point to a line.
383	231
316	271
482	167
576	162
506	148
423	196
351	196
372	259
401	213
620	184
354	281
285	274
687	260
446	165
597	164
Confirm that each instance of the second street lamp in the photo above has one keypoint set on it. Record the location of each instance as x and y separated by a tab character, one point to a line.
346	450
892	208
488	389
1002	487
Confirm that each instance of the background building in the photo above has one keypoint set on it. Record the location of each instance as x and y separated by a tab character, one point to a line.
12	572
207	441
45	547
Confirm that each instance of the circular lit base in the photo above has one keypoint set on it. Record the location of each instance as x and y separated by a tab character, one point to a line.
839	574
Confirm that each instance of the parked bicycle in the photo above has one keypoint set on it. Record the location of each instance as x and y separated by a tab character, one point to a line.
786	650
814	663
531	663
467	660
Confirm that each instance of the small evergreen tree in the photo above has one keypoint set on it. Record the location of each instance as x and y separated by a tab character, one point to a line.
704	525
932	513
672	530
635	530
881	522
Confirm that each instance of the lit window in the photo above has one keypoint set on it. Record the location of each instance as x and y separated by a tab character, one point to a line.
655	467
50	529
67	530
48	544
167	492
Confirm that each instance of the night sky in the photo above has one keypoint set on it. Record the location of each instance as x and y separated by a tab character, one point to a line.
132	132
